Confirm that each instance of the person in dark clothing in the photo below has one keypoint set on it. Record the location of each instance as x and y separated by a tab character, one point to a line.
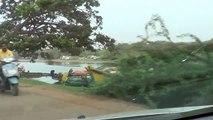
60	75
52	74
70	73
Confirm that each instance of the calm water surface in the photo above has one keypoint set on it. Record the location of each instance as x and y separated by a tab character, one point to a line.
46	67
58	67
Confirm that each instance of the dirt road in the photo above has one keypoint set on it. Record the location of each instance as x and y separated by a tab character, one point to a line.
45	103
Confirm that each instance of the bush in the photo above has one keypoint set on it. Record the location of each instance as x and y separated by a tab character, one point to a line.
87	53
158	82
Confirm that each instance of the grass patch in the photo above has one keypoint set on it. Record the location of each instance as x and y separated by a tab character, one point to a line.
31	82
73	89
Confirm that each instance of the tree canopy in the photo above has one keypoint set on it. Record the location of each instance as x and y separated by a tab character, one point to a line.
38	24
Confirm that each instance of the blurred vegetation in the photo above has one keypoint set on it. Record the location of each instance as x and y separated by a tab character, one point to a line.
104	54
88	53
54	53
162	74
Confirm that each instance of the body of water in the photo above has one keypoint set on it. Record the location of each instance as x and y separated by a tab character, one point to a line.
46	67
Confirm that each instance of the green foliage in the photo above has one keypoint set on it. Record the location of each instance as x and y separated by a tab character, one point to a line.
162	50
75	51
161	81
65	24
4	27
87	53
105	54
25	10
106	41
102	87
47	55
54	53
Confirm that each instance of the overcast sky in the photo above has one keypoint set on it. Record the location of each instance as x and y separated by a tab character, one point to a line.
124	20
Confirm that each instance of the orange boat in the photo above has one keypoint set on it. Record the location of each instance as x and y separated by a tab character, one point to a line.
80	72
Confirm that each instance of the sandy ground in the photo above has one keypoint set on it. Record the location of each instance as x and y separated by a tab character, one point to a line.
45	103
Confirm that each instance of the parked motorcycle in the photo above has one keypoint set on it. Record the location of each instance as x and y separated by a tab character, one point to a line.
10	76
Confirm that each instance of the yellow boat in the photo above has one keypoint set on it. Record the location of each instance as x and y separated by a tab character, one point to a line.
97	74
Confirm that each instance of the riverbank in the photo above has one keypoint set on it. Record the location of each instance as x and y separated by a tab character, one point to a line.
87	61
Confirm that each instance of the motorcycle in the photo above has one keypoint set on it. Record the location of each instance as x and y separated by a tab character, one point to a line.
10	76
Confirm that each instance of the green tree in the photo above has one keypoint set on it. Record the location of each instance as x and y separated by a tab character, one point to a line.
106	41
37	24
